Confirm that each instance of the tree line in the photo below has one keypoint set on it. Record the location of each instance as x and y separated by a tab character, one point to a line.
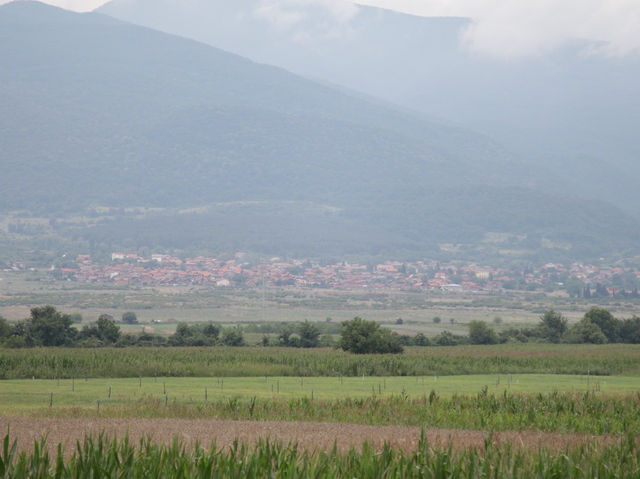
598	326
48	327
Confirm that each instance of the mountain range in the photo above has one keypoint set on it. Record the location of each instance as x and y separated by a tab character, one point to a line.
126	137
571	110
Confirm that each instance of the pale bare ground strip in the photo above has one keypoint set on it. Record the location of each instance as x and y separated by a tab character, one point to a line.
309	436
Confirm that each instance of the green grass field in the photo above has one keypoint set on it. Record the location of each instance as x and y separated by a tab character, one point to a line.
20	396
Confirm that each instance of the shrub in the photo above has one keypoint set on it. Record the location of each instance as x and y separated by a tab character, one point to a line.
129	318
232	337
480	333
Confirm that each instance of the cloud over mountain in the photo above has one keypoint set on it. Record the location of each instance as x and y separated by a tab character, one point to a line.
520	28
504	29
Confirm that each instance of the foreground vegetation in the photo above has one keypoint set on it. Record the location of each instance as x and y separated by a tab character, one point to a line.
101	457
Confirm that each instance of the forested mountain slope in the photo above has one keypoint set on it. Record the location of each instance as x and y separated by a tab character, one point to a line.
572	109
235	155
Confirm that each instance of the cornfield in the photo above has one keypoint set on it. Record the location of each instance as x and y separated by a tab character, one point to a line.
50	363
555	412
103	457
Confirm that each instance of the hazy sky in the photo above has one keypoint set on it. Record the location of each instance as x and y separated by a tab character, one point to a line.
506	28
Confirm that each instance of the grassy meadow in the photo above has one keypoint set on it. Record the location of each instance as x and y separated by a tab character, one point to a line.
550	403
585	409
22	395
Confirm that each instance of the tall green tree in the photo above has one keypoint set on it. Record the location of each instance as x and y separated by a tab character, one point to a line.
552	326
630	330
360	336
480	333
108	330
586	332
5	328
211	330
602	318
48	327
309	335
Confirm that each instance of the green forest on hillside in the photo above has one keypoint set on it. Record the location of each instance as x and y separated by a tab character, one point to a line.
216	153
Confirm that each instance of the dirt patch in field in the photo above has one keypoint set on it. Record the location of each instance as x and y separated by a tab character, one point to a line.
311	436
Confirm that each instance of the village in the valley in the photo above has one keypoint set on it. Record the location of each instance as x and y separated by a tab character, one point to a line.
125	269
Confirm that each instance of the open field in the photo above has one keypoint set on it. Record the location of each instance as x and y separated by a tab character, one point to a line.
21	291
23	395
606	405
309	436
582	421
509	418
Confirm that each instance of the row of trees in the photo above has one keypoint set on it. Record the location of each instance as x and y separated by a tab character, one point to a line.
598	326
48	327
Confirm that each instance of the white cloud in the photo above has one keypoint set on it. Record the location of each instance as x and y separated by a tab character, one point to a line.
504	28
307	20
511	28
340	10
287	14
279	16
75	5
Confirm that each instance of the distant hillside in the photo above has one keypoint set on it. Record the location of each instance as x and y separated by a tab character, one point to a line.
569	110
236	155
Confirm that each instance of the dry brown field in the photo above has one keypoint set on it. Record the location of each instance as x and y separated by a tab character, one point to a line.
309	436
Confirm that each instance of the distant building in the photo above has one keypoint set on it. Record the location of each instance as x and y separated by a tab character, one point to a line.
452	288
